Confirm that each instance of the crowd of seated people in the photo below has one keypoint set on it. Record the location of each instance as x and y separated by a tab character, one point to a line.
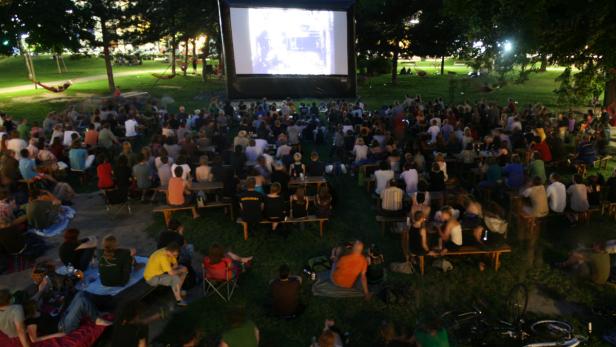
256	149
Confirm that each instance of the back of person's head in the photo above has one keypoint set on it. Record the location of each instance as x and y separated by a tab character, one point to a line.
393	183
173	247
275	188
122	161
327	339
577	179
283	271
127	147
447	210
358	247
164	159
5	297
24	153
436	167
239	149
537	156
314	156
203	160
178	171
515	159
536	181
554	177
139	157
383	165
250	183
300	192
110	243
71	235
297	157
216	253
420	197
174	224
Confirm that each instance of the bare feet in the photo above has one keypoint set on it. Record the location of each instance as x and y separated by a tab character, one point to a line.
246	260
103	322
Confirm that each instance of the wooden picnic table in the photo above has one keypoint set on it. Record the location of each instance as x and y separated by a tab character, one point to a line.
318	180
206	186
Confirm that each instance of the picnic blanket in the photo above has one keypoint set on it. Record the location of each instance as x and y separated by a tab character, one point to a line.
64	218
325	287
84	336
92	281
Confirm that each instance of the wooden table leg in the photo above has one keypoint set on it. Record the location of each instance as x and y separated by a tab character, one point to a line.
497	261
167	216
421	264
194	213
245	226
321	223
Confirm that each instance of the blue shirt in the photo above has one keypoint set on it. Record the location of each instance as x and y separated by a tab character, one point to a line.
515	175
77	158
27	168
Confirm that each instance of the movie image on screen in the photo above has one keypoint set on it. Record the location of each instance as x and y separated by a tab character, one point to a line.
277	41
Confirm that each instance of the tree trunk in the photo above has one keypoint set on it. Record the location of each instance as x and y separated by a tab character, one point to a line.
206	53
173	47
107	55
610	92
194	51
186	56
544	64
442	65
57	59
394	65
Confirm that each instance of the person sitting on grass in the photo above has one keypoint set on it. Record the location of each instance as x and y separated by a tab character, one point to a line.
77	252
115	264
349	270
221	266
46	327
450	233
12	319
162	269
178	191
242	332
285	293
593	264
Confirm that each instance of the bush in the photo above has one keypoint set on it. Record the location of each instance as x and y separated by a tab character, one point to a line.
376	66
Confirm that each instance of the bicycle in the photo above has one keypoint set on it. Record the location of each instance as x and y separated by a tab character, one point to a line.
475	329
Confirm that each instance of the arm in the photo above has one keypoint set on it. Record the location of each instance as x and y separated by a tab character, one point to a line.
91	243
424	240
143	343
21	333
32	334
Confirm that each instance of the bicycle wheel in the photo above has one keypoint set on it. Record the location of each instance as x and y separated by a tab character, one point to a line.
517	302
552	329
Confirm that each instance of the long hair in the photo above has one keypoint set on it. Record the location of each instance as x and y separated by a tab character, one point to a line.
216	253
110	243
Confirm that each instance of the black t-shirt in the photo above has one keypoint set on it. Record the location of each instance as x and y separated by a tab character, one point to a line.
45	324
69	254
251	202
274	207
12	240
115	271
285	296
168	236
315	168
282	178
128	335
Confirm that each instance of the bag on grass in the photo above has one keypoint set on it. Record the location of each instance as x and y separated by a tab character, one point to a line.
404	268
442	264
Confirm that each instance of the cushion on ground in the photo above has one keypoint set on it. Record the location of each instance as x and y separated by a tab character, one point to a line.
85	336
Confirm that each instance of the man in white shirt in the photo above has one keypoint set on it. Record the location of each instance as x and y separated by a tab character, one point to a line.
283	150
557	194
433	130
67	141
252	153
130	127
411	178
383	175
16	144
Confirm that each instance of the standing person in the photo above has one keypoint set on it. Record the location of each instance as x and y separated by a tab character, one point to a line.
162	269
242	332
557	194
12	319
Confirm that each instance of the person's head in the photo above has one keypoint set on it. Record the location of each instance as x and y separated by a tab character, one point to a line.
178	171
122	161
300	193
436	167
175	225
536	181
358	247
297	157
537	156
420	197
110	244
554	177
314	156
515	159
577	179
203	160
393	183
5	297
127	147
140	158
250	183
383	165
71	235
275	188
283	272
164	159
446	213
216	253
173	249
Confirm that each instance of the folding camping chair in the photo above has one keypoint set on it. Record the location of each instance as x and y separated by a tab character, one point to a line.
115	199
222	284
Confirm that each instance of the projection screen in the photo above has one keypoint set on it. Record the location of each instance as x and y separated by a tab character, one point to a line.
288	48
289	41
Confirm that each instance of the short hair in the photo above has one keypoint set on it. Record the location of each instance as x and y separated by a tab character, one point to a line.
284	271
554	176
384	165
578	179
5	297
71	235
24	153
314	156
537	181
250	183
275	188
173	247
178	171
174	224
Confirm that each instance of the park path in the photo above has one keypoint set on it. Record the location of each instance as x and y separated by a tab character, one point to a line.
30	86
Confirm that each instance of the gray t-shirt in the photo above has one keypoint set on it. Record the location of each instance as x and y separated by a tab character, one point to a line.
142	174
8	316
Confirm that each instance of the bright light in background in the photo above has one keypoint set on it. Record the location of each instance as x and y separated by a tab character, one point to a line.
24	36
507	46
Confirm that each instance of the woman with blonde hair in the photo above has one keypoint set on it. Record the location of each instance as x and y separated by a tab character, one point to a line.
115	264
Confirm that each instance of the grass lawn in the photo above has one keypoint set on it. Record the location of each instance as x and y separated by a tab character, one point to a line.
436	292
193	93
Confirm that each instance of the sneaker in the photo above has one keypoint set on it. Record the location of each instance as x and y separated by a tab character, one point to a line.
181	303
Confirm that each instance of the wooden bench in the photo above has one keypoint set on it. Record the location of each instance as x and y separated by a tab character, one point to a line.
494	255
608	208
168	211
308	219
601	163
226	205
384	220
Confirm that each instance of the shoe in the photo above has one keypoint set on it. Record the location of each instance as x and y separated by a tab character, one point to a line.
181	303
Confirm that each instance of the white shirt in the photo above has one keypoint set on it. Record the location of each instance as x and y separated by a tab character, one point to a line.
557	197
131	127
68	137
283	150
16	145
361	152
411	179
382	177
434	131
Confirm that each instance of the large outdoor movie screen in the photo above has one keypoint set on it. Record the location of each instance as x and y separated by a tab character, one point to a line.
288	41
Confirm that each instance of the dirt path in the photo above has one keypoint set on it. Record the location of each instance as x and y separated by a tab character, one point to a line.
29	86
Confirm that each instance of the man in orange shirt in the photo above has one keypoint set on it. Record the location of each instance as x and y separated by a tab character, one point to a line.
177	188
349	267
